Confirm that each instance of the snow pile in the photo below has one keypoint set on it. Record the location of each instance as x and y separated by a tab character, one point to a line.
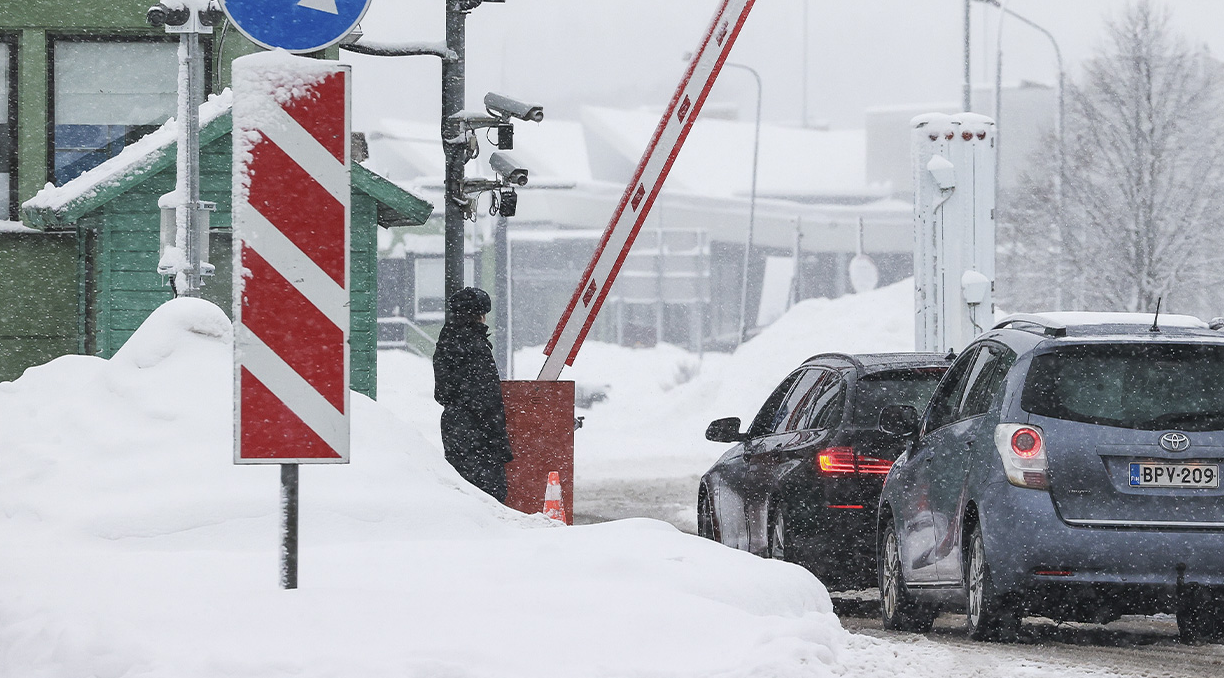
134	547
877	321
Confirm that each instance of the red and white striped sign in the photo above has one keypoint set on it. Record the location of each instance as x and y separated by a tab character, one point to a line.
641	192
291	259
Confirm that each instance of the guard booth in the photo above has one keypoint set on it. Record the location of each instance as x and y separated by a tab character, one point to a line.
540	421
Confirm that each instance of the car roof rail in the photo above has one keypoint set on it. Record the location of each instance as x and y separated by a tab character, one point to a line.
1031	322
853	360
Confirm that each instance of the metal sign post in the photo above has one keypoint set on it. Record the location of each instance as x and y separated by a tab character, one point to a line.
291	254
291	270
641	192
188	232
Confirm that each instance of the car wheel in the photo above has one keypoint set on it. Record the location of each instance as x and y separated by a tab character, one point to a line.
705	517
1200	617
898	610
988	614
781	543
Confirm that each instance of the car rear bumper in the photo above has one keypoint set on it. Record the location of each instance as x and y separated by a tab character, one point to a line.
1030	548
838	546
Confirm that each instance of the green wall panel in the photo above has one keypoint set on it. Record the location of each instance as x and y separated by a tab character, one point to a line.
38	283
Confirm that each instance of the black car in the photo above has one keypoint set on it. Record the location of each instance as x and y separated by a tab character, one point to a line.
803	483
1068	466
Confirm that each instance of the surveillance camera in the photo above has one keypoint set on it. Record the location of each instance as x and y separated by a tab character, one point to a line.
213	15
508	169
162	15
504	107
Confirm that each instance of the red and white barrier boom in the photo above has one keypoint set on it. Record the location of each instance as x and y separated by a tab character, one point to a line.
291	260
641	192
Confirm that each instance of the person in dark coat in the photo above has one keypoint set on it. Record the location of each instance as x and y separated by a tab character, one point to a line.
467	386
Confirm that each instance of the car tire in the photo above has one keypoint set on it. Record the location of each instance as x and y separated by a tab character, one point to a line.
780	539
898	610
988	614
1200	617
705	517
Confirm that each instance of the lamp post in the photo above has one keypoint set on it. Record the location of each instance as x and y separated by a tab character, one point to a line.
1058	122
967	85
803	121
756	147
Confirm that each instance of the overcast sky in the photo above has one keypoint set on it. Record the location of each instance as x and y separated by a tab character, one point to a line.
861	53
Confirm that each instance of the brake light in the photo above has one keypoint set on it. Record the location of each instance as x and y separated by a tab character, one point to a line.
834	461
1026	443
1022	449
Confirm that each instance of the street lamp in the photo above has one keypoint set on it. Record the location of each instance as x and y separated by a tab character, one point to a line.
756	147
1058	123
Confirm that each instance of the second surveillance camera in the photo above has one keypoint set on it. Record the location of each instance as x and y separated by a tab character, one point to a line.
508	169
506	107
162	15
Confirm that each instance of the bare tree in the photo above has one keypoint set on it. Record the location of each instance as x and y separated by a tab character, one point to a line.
1141	205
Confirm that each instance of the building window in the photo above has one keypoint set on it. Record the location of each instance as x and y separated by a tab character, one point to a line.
106	96
8	130
430	302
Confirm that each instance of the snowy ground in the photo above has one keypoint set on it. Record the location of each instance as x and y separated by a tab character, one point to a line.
134	547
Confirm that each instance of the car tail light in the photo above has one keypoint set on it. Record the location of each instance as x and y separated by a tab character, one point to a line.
1022	449
842	461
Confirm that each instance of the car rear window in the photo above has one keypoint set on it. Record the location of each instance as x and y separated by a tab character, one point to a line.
912	386
1148	387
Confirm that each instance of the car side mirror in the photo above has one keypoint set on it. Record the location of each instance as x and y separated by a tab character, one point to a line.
725	430
899	420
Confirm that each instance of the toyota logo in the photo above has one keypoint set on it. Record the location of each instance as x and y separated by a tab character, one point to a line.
1175	442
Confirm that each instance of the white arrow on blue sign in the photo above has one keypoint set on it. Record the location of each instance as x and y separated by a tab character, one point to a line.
295	25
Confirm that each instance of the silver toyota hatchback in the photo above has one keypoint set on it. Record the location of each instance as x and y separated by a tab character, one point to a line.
1068	466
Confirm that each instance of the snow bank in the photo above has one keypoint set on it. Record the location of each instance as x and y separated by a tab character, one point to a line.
134	547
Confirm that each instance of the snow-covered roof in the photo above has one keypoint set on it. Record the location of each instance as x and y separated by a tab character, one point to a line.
717	156
133	159
57	205
804	165
15	227
406	150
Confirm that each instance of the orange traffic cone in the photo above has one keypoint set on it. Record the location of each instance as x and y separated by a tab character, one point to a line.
552	497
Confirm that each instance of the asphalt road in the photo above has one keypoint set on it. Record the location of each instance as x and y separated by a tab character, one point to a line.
672	500
1131	646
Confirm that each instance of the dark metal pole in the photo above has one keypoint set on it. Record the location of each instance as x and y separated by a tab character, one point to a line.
501	290
453	101
289	526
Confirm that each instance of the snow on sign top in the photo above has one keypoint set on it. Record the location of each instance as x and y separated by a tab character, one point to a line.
295	25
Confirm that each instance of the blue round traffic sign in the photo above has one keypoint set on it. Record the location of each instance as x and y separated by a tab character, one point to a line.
295	25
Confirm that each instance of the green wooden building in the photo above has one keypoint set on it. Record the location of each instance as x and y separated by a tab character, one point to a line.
86	86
